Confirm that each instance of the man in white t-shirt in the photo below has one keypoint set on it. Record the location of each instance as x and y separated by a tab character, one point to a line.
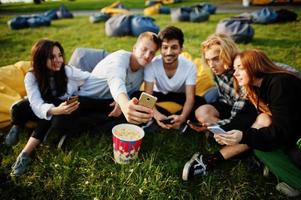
120	74
171	77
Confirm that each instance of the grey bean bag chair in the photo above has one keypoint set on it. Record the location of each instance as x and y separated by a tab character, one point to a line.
87	58
118	25
239	30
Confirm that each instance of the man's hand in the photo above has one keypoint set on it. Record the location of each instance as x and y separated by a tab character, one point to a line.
116	112
202	128
137	114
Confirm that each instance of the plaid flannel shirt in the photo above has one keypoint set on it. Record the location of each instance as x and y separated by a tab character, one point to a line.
228	95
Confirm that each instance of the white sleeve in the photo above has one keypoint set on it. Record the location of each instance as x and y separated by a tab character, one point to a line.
76	74
149	75
37	104
116	79
192	75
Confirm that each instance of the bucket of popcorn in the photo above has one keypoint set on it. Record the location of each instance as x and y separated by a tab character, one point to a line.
127	139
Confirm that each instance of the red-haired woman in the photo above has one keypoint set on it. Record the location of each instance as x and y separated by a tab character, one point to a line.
276	93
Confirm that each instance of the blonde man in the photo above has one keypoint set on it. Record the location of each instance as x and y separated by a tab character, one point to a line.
230	111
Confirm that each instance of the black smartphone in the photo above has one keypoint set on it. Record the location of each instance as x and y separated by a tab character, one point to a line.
167	121
195	123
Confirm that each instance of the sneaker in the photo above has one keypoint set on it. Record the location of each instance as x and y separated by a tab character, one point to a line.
21	164
287	190
194	167
12	137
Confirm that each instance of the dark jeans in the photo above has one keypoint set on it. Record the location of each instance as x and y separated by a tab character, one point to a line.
90	113
295	155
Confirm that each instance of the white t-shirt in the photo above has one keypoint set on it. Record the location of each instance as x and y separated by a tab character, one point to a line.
112	76
185	75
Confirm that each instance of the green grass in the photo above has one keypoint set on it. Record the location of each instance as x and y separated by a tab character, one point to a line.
87	5
85	169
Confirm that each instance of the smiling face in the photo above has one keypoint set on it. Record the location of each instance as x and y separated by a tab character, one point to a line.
144	51
55	60
170	51
240	73
212	58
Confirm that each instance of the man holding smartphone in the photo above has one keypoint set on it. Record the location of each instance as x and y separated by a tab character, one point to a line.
120	74
171	77
230	111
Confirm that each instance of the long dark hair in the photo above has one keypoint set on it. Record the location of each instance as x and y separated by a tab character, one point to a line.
40	53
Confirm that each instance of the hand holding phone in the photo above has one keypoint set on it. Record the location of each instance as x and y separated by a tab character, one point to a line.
216	129
72	99
166	121
147	100
194	123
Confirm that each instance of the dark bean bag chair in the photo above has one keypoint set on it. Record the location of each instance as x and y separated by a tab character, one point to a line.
140	24
164	10
63	12
199	15
99	17
181	14
239	30
265	15
118	25
38	20
209	8
18	22
284	15
51	14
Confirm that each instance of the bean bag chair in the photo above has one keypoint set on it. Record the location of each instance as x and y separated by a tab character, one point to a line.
18	22
181	14
38	20
99	17
164	10
239	30
209	8
63	12
87	58
115	8
118	25
284	15
51	14
152	10
199	15
261	2
281	166
265	15
140	24
12	88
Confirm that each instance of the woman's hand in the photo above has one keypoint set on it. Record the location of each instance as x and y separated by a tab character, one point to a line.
116	112
232	137
64	108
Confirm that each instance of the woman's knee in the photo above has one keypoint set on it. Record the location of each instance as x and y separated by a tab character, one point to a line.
262	120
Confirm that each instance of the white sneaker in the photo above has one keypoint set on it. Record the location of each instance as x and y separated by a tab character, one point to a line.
287	190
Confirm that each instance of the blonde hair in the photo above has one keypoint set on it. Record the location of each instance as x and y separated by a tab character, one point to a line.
149	36
227	48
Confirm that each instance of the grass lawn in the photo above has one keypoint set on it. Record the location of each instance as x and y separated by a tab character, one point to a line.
84	169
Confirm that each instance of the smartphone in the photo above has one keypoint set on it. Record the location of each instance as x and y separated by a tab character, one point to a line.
147	100
195	123
167	121
216	129
72	99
